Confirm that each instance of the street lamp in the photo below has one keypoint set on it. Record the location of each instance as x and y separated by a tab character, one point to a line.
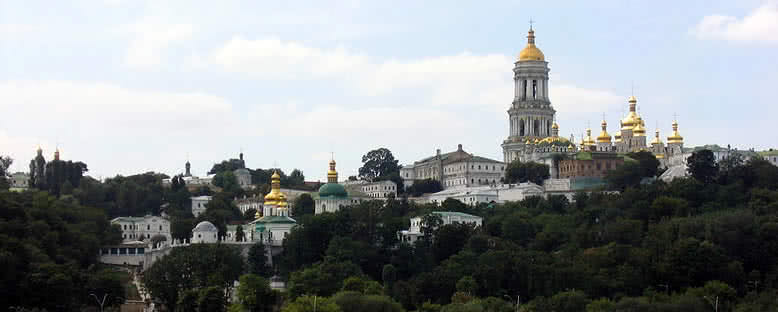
101	303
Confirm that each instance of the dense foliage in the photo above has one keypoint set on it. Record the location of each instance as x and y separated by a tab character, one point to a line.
378	163
48	253
520	172
653	247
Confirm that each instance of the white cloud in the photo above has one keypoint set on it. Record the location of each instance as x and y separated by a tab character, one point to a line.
275	59
115	123
759	25
150	40
14	31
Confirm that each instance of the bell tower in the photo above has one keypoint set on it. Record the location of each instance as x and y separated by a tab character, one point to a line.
530	116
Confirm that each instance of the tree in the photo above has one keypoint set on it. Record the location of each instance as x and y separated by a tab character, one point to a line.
255	294
467	285
257	260
304	205
195	266
239	235
647	162
311	304
389	276
5	165
211	299
296	178
378	163
425	186
519	172
702	166
353	301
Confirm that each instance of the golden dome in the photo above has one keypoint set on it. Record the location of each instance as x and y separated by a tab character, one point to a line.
275	196
617	137
604	136
555	126
531	52
675	137
588	140
257	215
332	174
528	142
552	139
656	139
629	122
639	129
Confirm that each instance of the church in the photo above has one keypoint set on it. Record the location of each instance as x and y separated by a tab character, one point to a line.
533	134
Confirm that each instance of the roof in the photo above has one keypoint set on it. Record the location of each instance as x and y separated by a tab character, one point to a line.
769	153
275	219
454	214
333	190
204	197
455	156
133	219
205	226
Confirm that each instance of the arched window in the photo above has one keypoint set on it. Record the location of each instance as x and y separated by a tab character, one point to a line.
534	89
521	127
536	127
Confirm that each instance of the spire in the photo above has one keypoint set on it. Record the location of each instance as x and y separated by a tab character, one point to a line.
531	52
56	154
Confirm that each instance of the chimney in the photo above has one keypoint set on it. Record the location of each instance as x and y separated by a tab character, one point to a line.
459	147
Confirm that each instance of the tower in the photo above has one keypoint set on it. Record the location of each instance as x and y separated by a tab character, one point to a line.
332	174
604	139
188	167
657	146
530	115
675	141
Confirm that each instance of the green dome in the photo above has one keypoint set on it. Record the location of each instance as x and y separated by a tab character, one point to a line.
332	189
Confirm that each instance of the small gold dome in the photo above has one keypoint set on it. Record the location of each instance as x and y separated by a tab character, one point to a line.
639	129
632	117
531	52
676	136
555	126
656	139
588	140
604	137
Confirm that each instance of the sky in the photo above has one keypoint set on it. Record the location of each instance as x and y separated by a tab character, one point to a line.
130	86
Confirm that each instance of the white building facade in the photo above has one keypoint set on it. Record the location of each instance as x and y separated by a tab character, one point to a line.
455	169
143	228
199	204
415	231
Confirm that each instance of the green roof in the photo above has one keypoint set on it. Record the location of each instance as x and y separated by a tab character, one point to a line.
454	214
333	190
275	219
769	153
584	156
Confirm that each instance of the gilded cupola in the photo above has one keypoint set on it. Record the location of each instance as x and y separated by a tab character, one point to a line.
676	136
656	140
275	197
531	52
632	117
588	140
640	128
604	137
332	174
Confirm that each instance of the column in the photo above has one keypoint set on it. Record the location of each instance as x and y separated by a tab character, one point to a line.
516	88
545	88
540	89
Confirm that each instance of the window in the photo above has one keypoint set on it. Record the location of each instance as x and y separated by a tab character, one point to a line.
131	251
141	251
122	251
148	227
125	226
114	251
160	227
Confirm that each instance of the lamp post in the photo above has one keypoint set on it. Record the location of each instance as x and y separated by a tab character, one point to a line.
101	303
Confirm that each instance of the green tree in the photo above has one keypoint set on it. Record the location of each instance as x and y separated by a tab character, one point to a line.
195	266
358	302
702	166
311	304
389	277
239	234
467	285
5	165
519	172
211	299
296	178
257	260
378	163
304	205
424	186
255	294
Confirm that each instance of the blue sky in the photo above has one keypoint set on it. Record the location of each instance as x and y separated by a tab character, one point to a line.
131	86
